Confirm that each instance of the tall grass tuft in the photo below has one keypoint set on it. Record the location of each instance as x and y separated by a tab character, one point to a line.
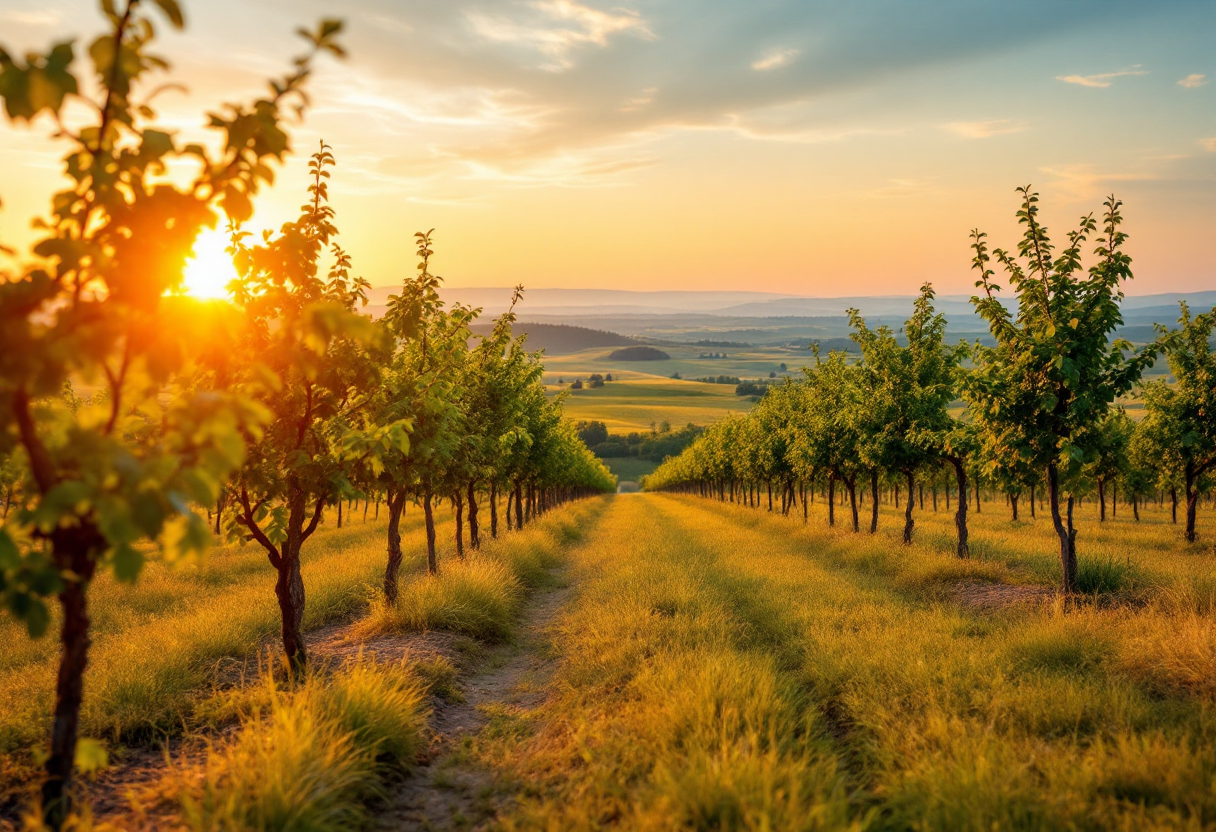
1101	576
310	757
477	597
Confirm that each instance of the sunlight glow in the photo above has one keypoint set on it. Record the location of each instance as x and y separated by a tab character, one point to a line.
209	271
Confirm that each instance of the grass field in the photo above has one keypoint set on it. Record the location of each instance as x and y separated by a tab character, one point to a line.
638	403
723	668
630	469
712	668
744	362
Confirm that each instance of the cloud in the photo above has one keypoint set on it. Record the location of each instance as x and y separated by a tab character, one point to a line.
524	89
639	102
1193	81
556	28
1082	182
776	59
1103	79
41	17
985	129
1209	144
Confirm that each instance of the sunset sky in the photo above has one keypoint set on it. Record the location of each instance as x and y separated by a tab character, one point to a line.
819	148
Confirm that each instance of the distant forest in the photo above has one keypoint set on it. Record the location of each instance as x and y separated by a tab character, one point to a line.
562	339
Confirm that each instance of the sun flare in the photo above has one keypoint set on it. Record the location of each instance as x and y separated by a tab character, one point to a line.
209	271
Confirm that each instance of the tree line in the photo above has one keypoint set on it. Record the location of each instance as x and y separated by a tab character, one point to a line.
1036	411
127	409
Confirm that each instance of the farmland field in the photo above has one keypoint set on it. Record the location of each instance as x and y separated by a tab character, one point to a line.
629	469
740	668
638	402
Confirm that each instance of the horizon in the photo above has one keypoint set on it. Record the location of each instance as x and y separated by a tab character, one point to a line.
561	143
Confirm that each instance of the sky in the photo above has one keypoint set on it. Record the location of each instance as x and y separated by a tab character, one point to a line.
800	146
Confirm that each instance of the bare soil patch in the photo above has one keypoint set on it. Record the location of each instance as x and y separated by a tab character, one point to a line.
445	792
997	596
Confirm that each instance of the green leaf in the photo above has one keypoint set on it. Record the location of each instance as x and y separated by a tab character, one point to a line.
10	557
36	616
128	563
91	756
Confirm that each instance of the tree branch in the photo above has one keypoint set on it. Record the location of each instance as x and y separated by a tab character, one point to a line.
41	465
316	518
248	522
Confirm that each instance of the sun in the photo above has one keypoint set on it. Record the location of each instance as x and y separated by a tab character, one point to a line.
210	270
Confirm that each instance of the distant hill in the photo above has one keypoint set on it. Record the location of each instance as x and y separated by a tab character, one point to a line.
638	354
562	339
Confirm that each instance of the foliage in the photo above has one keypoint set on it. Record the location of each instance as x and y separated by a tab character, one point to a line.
1179	426
123	464
1054	373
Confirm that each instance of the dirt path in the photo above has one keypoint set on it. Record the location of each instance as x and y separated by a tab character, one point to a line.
446	792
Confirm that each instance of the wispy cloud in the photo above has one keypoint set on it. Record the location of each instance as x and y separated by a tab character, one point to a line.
558	27
985	129
42	17
640	102
601	167
1209	144
1103	79
1192	81
775	59
1081	182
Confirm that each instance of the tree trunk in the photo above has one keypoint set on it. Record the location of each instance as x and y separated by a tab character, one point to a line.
519	505
1114	501
852	486
396	505
1192	501
935	495
1136	507
873	500
908	522
73	550
1013	504
1101	500
963	549
474	531
340	513
1067	535
428	511
493	509
458	504
1032	501
289	585
1174	504
770	496
831	501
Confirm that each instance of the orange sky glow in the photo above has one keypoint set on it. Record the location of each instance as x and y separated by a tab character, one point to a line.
787	147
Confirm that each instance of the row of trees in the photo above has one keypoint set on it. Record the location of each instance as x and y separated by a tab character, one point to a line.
270	409
1038	408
